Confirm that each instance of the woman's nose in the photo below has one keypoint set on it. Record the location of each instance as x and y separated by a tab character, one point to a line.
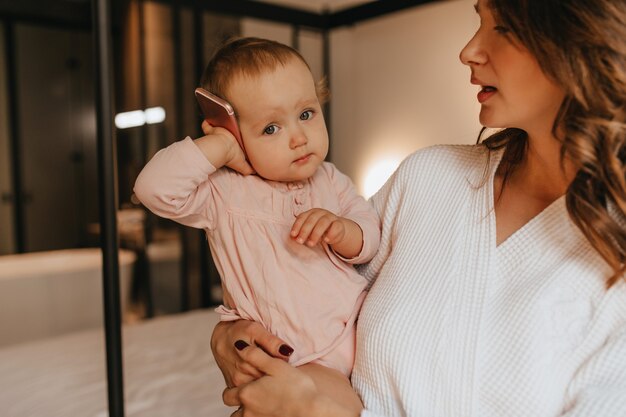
473	53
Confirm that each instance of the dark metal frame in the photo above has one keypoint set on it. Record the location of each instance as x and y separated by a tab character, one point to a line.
77	15
44	12
107	185
178	104
17	196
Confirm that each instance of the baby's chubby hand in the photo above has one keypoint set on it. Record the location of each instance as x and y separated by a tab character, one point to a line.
209	129
222	149
317	225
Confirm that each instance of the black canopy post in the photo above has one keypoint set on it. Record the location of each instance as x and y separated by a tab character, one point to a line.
18	197
107	184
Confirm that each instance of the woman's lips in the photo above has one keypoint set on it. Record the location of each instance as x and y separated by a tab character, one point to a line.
486	93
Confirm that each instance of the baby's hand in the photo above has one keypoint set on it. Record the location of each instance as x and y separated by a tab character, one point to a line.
318	224
234	157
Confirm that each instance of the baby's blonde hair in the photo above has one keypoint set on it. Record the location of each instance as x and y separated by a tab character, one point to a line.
250	57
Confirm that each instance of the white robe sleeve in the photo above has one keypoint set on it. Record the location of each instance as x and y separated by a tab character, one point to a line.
386	204
598	388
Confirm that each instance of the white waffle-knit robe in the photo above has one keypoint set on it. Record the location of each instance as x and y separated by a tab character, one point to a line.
455	326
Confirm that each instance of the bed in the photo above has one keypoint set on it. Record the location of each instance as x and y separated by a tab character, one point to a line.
46	294
168	371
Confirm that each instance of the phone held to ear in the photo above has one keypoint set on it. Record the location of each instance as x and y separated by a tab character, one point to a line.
218	112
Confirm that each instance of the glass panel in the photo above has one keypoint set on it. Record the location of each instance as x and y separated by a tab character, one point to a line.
57	134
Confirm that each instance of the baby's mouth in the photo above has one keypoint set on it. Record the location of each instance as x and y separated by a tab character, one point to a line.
303	158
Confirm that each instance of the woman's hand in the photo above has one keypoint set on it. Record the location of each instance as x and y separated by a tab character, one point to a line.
243	332
284	391
234	156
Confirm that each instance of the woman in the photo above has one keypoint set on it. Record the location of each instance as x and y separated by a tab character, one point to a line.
504	294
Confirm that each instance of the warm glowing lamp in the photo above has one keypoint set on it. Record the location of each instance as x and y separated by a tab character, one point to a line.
378	174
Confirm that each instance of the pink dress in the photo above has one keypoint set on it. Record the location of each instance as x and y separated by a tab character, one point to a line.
309	297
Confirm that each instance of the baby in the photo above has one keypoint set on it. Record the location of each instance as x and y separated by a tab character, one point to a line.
284	227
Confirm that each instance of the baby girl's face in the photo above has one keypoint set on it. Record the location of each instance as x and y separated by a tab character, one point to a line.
281	122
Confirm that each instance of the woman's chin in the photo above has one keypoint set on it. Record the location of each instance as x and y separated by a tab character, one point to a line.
490	121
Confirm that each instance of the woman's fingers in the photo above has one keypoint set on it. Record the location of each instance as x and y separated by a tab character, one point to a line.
257	335
283	391
230	397
262	361
235	370
244	373
228	337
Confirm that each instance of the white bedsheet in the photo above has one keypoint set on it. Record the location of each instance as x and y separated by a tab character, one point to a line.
168	371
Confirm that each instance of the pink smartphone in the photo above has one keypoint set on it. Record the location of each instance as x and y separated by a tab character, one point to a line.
218	112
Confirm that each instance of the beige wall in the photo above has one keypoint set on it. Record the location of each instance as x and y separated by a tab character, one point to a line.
312	49
397	85
6	214
279	32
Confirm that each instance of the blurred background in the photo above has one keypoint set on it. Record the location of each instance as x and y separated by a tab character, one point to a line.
396	86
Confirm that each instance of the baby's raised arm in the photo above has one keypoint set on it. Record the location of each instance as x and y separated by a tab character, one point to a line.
174	184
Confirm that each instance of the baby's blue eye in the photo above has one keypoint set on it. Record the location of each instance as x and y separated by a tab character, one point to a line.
270	130
306	115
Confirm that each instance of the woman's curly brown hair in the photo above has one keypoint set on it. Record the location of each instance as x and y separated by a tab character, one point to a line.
581	45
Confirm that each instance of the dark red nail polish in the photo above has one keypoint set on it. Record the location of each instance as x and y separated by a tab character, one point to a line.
241	345
285	350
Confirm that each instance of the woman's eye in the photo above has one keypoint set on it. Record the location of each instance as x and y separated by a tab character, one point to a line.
270	130
306	115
